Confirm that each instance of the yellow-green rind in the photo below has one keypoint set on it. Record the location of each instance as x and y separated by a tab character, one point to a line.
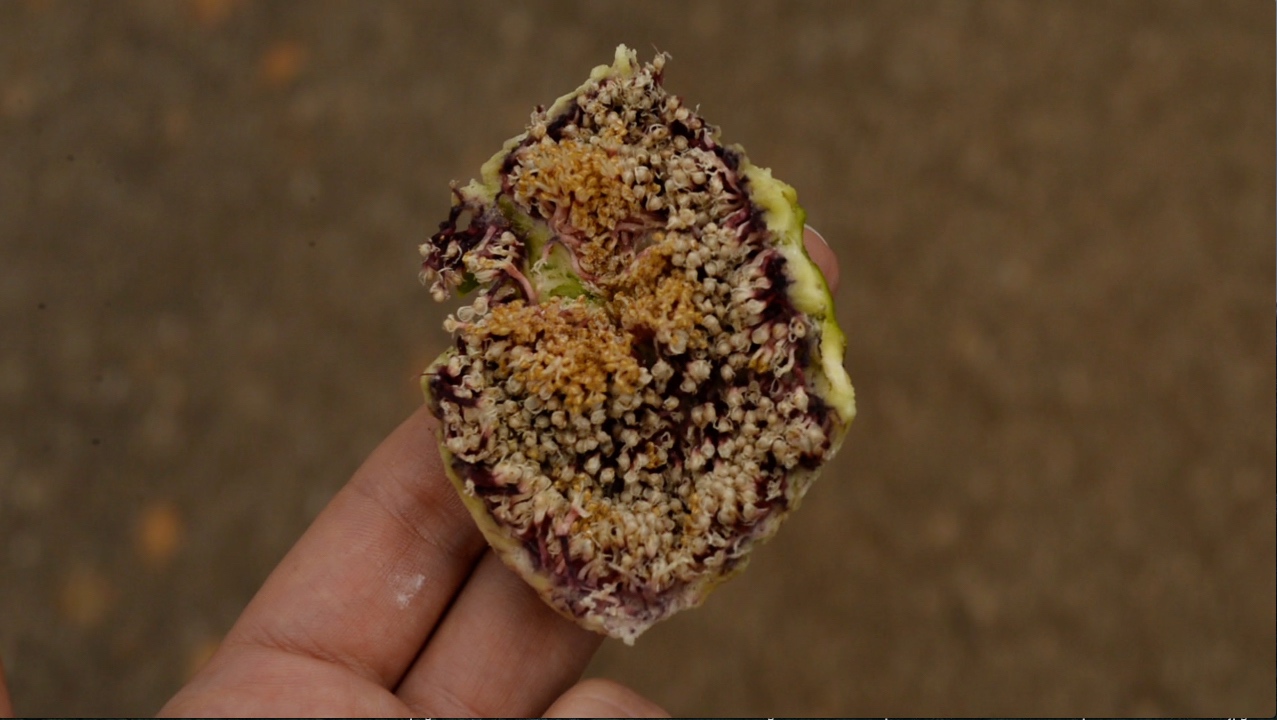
809	292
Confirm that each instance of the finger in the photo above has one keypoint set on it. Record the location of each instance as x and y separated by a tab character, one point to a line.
822	255
499	651
6	705
366	584
597	697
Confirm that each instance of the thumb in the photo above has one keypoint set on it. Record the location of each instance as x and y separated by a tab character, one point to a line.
823	255
6	705
603	698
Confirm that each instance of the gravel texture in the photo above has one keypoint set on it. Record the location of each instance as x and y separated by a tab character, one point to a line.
1055	223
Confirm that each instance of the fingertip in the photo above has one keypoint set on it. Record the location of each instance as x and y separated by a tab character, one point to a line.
822	255
6	705
597	697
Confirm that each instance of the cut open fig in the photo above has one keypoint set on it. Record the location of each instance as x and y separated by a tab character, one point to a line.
649	374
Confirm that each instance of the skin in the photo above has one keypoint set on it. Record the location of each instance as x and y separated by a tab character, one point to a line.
6	706
391	605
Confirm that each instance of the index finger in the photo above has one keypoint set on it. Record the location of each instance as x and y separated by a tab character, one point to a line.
367	582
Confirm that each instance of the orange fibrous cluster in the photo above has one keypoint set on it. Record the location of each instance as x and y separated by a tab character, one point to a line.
573	351
650	295
580	183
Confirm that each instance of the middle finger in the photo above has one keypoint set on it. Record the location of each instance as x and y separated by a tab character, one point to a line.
500	650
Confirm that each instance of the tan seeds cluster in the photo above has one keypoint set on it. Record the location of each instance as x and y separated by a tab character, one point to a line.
561	348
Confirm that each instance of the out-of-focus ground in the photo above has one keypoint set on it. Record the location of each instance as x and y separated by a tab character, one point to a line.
1056	231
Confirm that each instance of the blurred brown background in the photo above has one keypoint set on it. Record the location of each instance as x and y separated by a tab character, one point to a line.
1056	229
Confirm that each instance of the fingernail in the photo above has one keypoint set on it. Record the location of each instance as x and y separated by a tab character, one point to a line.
816	232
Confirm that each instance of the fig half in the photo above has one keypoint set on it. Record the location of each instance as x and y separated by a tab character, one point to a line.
649	375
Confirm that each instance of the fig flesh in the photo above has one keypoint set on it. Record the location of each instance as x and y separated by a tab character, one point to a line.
649	375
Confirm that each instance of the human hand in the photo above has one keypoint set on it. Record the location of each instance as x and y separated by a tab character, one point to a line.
390	604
